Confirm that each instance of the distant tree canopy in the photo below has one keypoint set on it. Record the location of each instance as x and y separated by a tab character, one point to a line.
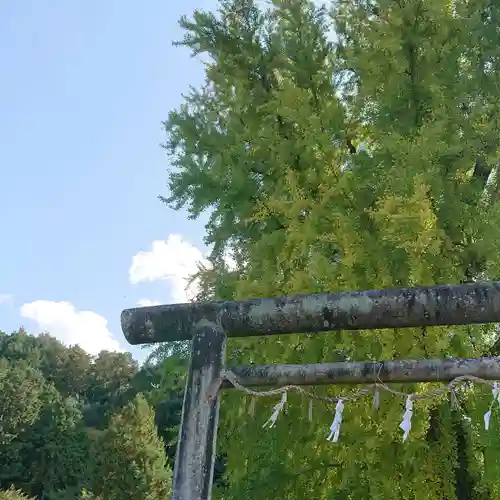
58	407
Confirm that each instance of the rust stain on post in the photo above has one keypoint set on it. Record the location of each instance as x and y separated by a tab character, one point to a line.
396	371
392	308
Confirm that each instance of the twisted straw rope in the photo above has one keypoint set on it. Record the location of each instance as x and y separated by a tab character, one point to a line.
372	388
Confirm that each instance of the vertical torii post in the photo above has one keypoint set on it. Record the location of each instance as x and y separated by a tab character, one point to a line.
208	324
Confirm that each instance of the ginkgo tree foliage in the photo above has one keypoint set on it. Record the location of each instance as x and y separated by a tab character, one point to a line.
343	147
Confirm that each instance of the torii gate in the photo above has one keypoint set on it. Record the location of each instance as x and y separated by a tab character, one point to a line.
209	324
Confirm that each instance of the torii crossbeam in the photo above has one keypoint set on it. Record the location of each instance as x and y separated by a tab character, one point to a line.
209	324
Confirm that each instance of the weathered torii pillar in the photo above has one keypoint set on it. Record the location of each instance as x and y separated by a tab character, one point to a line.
208	325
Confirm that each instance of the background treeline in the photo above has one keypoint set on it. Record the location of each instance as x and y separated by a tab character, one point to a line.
76	426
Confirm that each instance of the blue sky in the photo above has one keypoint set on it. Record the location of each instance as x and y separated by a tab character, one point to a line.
84	88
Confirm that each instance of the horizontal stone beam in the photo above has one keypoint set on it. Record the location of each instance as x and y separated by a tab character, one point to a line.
392	308
402	371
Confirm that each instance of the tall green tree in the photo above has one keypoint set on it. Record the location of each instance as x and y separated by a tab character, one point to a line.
270	145
55	451
110	372
21	387
67	368
131	461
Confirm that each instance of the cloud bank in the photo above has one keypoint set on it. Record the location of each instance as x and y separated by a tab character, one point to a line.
173	260
86	328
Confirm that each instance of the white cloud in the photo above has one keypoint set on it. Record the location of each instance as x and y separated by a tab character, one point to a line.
148	303
174	260
60	319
